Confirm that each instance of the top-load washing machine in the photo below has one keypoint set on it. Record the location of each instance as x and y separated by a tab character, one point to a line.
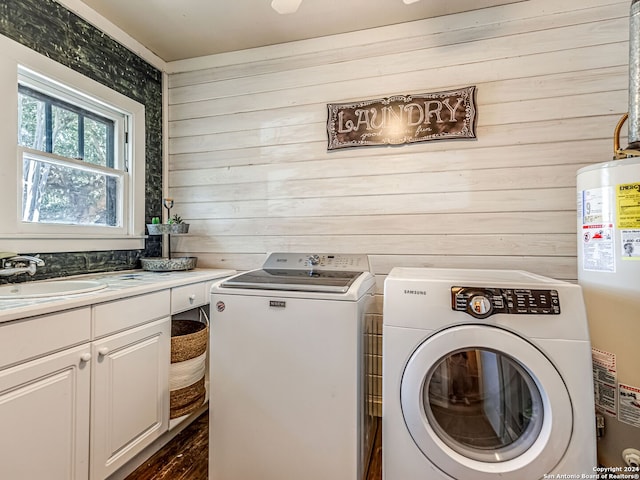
288	370
486	374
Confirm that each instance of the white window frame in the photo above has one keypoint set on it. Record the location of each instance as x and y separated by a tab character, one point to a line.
19	63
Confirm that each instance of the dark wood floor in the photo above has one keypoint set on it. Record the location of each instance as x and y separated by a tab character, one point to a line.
186	457
375	463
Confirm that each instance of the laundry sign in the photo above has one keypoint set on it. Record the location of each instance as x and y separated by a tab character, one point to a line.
402	119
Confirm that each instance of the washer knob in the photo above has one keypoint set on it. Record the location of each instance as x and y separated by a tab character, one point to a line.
480	306
314	260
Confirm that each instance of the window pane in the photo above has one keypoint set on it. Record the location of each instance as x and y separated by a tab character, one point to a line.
95	142
73	170
54	193
31	122
64	132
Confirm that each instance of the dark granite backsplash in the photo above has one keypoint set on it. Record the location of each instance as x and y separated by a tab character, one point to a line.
64	264
50	29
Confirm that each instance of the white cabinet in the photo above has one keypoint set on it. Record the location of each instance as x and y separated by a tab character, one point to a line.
131	353
84	390
44	413
44	401
129	396
100	398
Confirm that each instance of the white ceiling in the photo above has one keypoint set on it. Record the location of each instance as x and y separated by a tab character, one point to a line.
181	29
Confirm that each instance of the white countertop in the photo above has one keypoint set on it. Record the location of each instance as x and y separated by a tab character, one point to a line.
119	285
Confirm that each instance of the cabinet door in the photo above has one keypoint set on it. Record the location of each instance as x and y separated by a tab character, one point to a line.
44	414
129	394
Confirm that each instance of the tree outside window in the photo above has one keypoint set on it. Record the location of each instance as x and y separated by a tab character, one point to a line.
69	174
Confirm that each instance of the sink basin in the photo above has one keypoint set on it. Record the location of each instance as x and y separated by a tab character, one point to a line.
56	288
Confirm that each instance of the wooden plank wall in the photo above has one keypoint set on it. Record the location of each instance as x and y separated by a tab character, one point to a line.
249	167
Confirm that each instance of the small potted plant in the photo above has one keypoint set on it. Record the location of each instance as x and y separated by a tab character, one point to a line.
177	225
174	224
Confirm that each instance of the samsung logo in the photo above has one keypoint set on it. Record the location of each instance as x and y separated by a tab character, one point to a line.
277	303
415	292
281	260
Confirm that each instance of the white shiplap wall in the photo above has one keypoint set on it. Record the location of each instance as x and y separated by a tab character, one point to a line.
249	168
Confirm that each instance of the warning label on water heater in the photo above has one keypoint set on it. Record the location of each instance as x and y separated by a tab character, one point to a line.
628	205
598	247
595	213
604	379
629	404
630	244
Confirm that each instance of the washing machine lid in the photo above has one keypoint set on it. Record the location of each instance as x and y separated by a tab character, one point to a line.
294	280
303	272
503	410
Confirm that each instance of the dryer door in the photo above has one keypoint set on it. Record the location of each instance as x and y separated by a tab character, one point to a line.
480	401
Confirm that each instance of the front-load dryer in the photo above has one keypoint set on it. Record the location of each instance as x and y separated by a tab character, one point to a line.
486	374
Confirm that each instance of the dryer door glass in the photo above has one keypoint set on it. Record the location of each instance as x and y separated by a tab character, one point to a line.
518	421
483	404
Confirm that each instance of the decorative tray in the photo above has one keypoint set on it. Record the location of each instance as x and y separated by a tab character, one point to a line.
164	264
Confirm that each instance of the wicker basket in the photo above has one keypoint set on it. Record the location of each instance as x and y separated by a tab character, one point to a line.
186	400
188	339
188	365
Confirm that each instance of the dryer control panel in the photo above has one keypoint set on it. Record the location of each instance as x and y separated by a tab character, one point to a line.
480	302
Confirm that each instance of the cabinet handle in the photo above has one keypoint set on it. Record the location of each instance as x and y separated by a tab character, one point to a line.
102	351
85	357
192	297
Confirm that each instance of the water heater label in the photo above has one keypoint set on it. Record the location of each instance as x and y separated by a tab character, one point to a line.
628	205
630	244
629	404
595	214
597	247
595	206
605	377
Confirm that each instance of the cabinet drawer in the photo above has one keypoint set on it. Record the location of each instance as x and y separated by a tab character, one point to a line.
119	315
37	336
188	297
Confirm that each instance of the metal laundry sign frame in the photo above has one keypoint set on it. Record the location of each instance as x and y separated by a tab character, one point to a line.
403	119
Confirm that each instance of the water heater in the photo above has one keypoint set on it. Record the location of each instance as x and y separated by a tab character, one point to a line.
609	273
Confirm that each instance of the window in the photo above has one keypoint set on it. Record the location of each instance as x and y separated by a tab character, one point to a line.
72	156
73	168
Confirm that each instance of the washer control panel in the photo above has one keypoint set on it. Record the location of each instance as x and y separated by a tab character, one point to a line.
481	302
317	261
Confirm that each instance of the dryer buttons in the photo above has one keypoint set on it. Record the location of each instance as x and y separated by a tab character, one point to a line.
482	302
480	306
477	302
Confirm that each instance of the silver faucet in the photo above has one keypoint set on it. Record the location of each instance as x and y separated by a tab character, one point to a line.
20	264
